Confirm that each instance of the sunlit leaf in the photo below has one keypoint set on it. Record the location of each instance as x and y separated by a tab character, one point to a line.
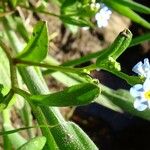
36	48
80	94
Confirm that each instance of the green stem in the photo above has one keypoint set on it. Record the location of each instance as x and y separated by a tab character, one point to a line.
34	87
13	71
23	93
39	11
90	67
132	80
56	68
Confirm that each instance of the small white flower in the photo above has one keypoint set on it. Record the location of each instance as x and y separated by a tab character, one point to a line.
103	16
142	69
141	93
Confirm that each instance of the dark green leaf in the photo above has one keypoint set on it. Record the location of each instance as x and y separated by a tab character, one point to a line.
36	49
127	12
69	7
80	94
15	130
134	5
1	94
140	39
13	3
117	47
76	21
36	143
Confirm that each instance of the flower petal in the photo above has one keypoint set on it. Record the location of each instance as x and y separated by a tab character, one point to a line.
146	66
146	85
138	68
146	63
136	90
140	104
103	16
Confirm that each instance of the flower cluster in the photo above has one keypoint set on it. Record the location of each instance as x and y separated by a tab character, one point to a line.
103	16
141	92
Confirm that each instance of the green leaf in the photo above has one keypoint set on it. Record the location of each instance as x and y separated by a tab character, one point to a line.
13	2
76	21
6	100
16	130
140	39
37	47
16	139
121	101
127	12
69	136
36	143
116	49
80	94
134	5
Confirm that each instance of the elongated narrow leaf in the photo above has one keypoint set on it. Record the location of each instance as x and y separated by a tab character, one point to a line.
16	139
121	101
140	39
36	49
76	21
80	94
117	47
36	143
19	129
134	5
127	12
69	136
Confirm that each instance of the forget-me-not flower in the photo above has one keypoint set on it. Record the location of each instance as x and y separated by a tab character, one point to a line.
103	16
141	93
142	69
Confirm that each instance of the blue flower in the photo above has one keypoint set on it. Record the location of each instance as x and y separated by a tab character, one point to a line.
141	93
103	16
142	69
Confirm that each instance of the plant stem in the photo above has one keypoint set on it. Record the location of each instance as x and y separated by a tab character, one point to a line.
129	79
39	11
52	67
35	87
13	71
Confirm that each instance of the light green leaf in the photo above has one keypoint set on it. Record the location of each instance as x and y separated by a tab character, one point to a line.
36	143
36	49
80	94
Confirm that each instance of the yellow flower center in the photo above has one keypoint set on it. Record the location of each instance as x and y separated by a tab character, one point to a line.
147	95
